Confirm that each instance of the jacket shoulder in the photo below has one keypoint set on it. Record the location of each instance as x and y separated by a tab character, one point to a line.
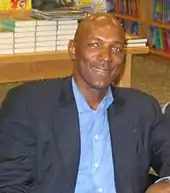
137	100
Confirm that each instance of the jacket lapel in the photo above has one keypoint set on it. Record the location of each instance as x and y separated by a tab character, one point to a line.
67	136
123	143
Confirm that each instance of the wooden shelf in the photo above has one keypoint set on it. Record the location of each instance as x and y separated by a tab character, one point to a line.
20	68
152	23
158	24
16	13
33	57
138	50
127	17
160	52
60	55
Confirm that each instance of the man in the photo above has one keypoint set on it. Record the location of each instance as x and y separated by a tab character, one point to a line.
80	134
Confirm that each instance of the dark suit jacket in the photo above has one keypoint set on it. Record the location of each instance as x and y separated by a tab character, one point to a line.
40	139
167	113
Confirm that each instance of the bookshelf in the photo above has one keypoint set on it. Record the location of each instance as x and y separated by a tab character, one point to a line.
147	17
46	65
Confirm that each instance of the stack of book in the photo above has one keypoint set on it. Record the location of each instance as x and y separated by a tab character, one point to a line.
65	32
33	35
57	14
46	35
135	41
6	39
23	34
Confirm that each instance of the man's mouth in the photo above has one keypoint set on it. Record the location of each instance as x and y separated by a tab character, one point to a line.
101	70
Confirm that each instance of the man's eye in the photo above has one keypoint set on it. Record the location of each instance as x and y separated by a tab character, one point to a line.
93	45
116	49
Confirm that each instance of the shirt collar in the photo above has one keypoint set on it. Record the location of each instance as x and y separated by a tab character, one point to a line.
82	105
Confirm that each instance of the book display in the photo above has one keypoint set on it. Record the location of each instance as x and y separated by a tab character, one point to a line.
147	18
8	5
34	48
32	35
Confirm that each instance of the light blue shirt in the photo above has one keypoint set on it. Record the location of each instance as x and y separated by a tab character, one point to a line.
96	172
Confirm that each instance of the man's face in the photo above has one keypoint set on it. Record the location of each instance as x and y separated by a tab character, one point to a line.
99	55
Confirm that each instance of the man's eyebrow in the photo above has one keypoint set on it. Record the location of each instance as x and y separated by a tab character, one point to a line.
115	42
95	38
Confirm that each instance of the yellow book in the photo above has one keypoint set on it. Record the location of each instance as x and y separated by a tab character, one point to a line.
7	5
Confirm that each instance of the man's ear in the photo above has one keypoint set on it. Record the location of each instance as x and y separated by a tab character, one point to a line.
71	49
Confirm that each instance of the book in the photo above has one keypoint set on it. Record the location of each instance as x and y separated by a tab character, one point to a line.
62	42
46	38
46	28
6	34
135	45
66	32
6	46
58	14
19	22
24	39
24	34
45	43
6	51
24	45
18	29
45	49
7	40
46	22
61	48
65	37
67	27
70	21
130	39
8	5
24	50
46	33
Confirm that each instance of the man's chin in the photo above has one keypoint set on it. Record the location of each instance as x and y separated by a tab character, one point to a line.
101	85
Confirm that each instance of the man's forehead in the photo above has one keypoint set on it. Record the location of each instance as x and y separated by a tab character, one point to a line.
97	22
99	19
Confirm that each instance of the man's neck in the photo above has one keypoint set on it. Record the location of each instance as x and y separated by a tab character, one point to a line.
93	96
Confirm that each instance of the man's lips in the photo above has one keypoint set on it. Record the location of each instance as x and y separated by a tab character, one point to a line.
101	70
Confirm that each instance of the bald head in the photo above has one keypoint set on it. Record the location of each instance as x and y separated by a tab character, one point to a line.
97	51
95	21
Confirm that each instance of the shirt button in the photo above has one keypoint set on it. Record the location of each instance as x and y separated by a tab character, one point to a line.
96	137
100	190
96	165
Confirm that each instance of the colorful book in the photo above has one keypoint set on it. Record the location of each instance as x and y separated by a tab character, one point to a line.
7	5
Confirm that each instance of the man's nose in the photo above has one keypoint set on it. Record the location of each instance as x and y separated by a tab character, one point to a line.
106	54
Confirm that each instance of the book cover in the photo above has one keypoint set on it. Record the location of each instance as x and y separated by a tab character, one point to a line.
7	5
18	29
135	39
135	45
19	22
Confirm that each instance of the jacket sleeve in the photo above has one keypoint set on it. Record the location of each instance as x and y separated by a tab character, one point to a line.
17	144
160	142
